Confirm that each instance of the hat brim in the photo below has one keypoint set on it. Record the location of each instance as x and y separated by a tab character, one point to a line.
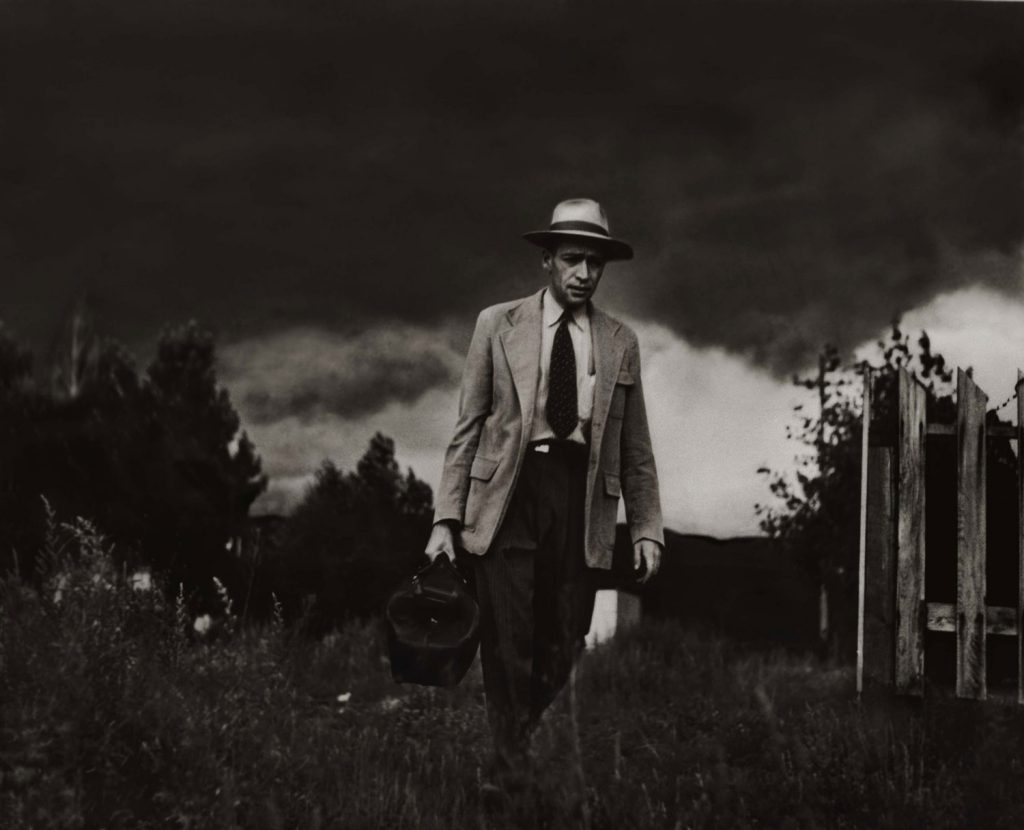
613	248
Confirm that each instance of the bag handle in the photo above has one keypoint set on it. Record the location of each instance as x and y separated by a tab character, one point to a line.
440	561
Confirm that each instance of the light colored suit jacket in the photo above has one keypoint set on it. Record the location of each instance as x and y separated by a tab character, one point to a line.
496	408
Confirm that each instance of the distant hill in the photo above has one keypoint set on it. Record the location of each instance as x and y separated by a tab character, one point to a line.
745	587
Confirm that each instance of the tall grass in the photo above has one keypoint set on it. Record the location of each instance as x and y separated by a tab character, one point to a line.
116	713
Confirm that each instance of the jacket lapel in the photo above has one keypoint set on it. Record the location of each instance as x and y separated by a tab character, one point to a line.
521	342
522	350
608	352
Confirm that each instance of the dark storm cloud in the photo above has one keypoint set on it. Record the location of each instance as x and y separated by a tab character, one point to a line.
309	373
788	175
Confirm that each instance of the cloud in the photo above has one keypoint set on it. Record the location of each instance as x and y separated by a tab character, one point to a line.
715	416
305	373
714	419
978	328
787	174
292	448
306	178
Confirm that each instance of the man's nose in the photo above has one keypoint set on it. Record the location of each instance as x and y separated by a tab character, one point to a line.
583	271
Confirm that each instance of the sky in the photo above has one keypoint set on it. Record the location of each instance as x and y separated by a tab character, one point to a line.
337	189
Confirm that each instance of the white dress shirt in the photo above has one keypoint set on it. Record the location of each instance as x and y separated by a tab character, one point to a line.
579	332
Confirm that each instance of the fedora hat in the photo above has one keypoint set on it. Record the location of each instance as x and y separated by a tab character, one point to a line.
580	219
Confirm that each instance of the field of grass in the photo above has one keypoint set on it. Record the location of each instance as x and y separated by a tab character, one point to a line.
113	713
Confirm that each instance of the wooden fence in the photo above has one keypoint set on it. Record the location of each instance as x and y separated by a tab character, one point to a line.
894	613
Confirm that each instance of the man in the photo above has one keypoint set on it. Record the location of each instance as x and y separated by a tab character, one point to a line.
551	430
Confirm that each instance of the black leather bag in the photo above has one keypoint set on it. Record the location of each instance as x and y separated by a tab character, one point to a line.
433	626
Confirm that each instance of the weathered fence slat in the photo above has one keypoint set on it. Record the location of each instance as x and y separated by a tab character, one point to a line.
1020	537
910	610
970	581
879	578
1000	620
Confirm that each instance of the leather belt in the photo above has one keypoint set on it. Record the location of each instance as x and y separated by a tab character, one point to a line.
553	446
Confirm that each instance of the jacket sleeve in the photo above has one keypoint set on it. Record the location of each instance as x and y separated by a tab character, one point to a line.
474	407
638	473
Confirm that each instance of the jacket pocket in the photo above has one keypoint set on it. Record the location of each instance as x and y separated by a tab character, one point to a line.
612	485
483	468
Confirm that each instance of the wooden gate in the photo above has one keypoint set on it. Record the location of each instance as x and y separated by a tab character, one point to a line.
893	612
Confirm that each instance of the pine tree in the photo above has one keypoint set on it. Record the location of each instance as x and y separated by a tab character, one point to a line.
201	489
354	536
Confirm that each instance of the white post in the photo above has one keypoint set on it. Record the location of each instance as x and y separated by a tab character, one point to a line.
864	444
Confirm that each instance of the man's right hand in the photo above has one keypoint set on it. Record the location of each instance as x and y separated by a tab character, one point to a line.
442	540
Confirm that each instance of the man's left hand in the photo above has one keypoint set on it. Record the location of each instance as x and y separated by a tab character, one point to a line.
647	552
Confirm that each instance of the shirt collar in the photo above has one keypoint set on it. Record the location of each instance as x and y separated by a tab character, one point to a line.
553	312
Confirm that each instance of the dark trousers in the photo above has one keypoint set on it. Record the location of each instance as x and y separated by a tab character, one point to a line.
535	593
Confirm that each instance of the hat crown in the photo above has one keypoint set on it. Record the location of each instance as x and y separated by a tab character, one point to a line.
580	220
580	210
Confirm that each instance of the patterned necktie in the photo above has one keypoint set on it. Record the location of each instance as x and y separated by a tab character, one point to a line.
561	410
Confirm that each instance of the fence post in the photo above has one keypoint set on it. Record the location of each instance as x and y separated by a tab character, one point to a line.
1020	537
971	405
910	606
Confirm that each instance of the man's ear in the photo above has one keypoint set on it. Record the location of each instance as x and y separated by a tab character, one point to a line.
545	260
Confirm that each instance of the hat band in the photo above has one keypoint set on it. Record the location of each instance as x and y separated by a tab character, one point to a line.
588	227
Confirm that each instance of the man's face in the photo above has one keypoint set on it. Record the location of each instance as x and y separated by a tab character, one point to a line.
575	270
